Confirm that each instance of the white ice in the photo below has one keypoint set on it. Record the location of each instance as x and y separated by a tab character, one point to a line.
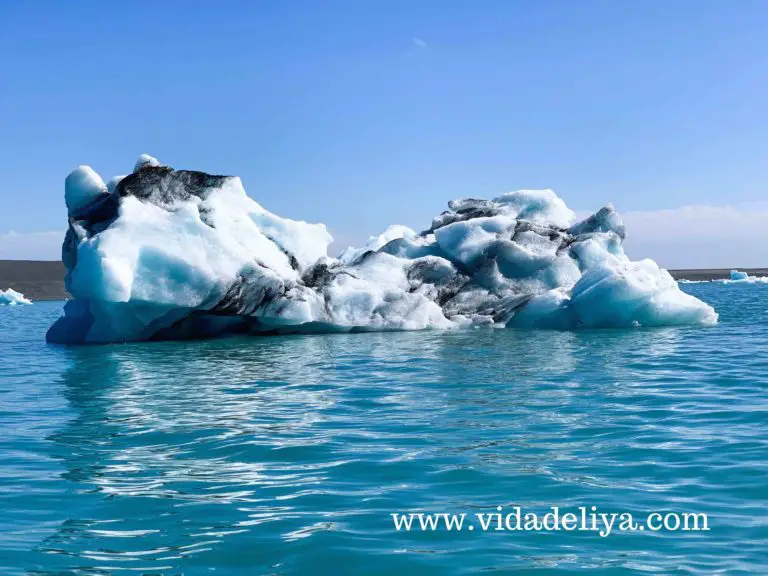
737	276
12	298
82	187
145	160
375	243
177	262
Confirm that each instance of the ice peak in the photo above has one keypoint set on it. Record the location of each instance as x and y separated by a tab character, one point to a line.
81	188
144	161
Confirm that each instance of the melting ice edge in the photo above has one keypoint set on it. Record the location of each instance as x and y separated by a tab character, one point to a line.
173	254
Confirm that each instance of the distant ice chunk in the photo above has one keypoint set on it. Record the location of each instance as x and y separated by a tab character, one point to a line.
82	188
734	277
738	275
183	254
12	298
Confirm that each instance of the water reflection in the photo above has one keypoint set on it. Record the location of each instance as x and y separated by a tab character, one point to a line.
238	452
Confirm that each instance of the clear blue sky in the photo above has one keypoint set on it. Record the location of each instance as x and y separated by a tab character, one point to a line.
360	113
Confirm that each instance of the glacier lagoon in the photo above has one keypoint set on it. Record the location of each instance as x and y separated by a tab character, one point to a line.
287	454
165	254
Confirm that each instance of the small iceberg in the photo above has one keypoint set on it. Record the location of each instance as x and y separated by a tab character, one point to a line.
173	254
12	298
739	275
734	277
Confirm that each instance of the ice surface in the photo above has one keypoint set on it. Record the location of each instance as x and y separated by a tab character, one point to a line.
393	232
113	182
12	298
145	160
165	253
82	188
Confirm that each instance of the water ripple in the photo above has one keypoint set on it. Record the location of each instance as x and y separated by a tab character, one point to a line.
287	455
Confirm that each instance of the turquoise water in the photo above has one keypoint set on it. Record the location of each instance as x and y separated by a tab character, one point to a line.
287	455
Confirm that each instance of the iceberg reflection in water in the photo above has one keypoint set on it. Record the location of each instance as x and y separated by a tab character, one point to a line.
287	454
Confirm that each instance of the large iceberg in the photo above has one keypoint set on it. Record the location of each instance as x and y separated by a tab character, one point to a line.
12	298
165	254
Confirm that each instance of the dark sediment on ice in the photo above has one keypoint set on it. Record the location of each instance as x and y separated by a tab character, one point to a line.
41	280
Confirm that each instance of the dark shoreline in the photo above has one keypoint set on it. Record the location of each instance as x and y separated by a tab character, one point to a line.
37	280
714	273
40	280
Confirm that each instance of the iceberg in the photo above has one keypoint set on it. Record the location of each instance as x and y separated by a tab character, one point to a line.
173	254
12	298
734	277
739	275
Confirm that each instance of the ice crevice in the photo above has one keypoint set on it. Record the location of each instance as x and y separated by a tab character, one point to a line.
173	254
